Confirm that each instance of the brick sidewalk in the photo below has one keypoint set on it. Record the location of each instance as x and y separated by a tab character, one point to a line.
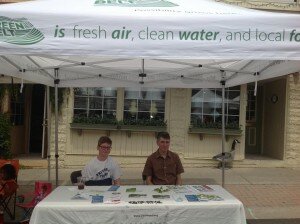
268	200
266	195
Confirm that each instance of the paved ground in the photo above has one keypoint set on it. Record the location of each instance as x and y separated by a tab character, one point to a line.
269	195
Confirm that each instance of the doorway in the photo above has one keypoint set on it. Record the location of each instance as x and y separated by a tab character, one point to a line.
36	119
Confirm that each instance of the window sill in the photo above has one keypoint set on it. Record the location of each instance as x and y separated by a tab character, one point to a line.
214	131
110	127
93	126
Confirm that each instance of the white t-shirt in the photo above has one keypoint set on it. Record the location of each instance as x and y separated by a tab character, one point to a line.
100	170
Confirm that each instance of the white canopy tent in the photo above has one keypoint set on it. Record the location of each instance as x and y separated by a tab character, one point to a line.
148	43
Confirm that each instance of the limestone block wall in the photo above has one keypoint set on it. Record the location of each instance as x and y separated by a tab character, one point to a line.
179	108
292	145
63	131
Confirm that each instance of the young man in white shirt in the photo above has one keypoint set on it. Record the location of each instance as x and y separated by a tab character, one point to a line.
102	170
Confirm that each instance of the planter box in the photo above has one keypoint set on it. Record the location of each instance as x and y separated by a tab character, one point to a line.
93	126
214	131
110	127
142	128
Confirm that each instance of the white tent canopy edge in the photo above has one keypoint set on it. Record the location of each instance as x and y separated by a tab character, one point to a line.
95	71
182	29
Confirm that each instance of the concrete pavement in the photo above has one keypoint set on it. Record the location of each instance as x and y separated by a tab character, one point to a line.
267	193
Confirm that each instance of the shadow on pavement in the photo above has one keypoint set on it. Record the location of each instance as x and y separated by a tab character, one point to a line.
273	221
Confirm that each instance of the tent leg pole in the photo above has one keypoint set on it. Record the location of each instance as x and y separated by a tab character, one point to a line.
48	131
56	82
44	124
223	133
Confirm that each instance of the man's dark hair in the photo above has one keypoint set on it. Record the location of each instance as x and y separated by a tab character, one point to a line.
104	139
163	134
9	172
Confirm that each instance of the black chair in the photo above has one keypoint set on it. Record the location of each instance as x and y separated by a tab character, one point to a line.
228	157
74	175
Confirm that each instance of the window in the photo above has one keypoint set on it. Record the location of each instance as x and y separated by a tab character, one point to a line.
206	106
17	105
144	104
251	104
95	102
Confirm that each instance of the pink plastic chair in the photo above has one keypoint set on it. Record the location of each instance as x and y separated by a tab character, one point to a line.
41	190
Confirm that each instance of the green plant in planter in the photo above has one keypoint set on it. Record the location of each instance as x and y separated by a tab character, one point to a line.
196	123
98	120
144	122
5	126
94	120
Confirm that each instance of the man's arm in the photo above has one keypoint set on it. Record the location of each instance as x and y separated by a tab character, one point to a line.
180	170
178	180
117	182
149	180
148	172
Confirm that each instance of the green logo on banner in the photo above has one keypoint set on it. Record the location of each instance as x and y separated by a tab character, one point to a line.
135	3
19	31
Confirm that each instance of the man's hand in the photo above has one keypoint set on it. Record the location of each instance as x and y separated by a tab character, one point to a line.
178	180
149	180
117	182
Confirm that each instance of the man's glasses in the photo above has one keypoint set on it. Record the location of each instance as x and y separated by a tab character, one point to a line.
104	147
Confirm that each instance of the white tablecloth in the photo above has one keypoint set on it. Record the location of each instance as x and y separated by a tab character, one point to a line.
141	208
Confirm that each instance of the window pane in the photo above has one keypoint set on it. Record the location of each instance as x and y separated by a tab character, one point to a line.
233	109
80	91
80	102
79	113
133	94
208	118
144	103
99	102
159	116
160	105
128	115
95	91
17	106
206	105
95	113
130	105
144	115
109	92
109	113
196	118
110	103
209	95
233	119
154	94
233	96
95	103
251	106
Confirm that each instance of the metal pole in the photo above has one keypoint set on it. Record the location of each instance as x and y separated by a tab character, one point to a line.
48	132
56	82
44	123
223	133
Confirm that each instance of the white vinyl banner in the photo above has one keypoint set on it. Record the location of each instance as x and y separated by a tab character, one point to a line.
185	29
